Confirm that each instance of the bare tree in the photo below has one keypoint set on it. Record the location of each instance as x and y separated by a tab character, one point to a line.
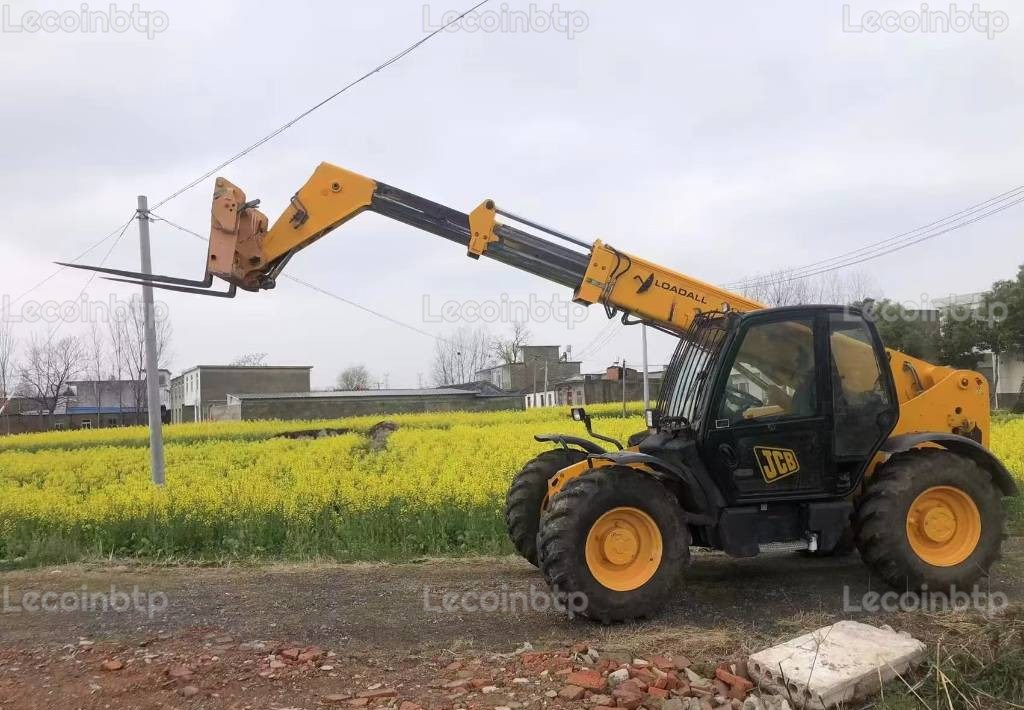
97	364
250	360
356	377
8	368
458	357
128	335
48	366
118	362
509	349
784	288
8	363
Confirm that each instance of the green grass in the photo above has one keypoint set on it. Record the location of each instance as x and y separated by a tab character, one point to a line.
977	663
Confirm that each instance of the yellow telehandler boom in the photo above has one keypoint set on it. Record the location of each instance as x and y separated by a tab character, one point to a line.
248	255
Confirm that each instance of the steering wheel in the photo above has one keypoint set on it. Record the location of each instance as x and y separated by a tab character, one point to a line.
740	400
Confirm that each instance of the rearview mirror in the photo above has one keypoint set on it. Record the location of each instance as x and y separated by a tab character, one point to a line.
579	414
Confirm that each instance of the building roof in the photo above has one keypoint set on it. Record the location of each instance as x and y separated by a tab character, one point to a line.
484	387
349	394
243	367
600	376
115	381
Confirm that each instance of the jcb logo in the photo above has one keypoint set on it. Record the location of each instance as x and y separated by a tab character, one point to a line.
775	463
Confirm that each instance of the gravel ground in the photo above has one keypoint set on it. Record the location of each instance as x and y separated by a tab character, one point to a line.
372	618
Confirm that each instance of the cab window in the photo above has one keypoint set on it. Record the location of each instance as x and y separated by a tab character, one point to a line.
859	396
772	375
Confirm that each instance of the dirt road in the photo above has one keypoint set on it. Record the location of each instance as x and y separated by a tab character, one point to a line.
413	618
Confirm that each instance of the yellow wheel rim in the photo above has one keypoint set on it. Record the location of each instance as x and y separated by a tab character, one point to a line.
624	549
943	526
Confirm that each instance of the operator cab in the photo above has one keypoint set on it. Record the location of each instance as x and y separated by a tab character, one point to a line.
784	403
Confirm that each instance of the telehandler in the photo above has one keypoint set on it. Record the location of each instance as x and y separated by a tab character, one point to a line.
776	428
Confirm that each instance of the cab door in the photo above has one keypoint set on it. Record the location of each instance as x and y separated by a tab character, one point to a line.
768	432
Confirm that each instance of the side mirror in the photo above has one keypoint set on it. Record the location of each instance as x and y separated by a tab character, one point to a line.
651	418
579	414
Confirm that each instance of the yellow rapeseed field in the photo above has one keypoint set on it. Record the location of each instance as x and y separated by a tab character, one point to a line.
236	490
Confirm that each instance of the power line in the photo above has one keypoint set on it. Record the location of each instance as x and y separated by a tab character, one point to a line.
612	337
870	247
361	307
321	290
604	330
904	245
62	268
895	243
92	276
601	340
411	48
273	134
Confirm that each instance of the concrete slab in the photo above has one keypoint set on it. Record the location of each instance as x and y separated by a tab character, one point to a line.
836	664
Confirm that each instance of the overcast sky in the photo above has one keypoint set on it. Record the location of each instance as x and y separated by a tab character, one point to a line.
720	139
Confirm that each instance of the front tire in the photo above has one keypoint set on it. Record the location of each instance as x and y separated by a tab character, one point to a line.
930	518
617	539
527	495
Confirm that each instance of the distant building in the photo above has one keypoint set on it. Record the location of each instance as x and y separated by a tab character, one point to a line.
87	404
596	388
334	405
539	364
196	391
107	403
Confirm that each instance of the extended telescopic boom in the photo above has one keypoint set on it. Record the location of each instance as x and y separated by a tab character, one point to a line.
248	255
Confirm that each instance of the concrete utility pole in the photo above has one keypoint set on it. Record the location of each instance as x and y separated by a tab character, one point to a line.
623	387
647	375
995	377
156	434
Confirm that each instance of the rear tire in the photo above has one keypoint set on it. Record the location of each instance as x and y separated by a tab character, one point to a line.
930	518
577	527
526	497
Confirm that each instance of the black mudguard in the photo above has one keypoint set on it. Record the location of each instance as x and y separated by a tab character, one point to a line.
699	503
958	445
